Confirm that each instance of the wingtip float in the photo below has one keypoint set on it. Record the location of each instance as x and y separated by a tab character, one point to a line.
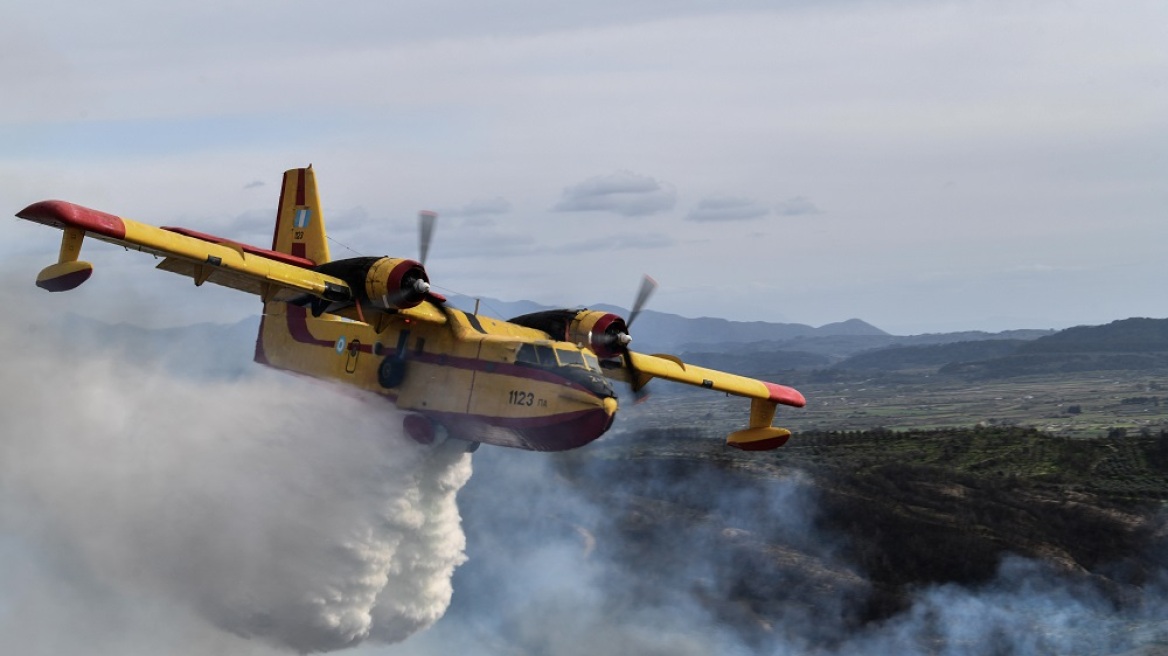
75	221
538	382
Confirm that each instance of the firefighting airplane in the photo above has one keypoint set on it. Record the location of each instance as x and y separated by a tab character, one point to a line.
538	381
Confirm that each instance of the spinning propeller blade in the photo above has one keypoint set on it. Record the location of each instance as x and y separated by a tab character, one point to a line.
648	286
426	221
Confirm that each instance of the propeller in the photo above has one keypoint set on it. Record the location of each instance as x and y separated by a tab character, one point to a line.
416	284
426	222
648	286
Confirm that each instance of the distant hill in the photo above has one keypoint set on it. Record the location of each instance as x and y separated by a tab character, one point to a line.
661	331
747	347
495	308
205	350
1136	344
851	328
1136	335
670	332
934	355
754	363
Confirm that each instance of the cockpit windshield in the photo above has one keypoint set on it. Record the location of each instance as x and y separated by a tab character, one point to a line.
537	354
546	356
571	358
576	366
592	362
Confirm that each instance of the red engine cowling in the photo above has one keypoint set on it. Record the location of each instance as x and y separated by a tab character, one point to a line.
603	332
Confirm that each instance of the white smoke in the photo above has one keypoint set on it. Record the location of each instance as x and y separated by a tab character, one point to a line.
272	507
656	571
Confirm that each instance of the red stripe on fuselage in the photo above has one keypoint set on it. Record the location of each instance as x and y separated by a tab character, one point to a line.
298	327
299	330
558	432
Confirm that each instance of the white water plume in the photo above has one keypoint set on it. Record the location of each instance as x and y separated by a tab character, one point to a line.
273	507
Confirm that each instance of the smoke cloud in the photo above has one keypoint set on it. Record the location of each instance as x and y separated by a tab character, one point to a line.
278	509
592	553
146	511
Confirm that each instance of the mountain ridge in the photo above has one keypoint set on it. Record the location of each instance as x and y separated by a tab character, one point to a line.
747	347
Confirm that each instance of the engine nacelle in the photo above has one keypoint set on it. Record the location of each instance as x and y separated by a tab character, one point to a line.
386	282
397	283
603	332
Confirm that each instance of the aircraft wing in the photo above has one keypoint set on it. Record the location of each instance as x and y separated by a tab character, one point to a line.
205	258
672	368
764	396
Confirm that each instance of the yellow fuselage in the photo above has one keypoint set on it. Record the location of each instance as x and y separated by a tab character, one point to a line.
467	373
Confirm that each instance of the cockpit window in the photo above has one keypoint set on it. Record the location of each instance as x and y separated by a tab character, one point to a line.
527	354
547	356
568	357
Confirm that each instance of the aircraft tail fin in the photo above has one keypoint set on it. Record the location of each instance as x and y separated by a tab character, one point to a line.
299	221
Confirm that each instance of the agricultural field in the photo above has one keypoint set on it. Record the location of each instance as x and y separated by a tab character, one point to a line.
1092	404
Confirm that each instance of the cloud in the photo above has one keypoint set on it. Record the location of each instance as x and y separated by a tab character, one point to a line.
480	207
249	223
619	243
253	184
797	206
727	208
623	192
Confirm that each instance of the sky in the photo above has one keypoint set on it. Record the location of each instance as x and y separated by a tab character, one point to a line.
923	166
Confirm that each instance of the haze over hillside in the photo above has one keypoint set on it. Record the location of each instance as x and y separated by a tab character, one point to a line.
663	331
751	348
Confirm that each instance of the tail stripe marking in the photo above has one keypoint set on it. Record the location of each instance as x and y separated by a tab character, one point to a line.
279	211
